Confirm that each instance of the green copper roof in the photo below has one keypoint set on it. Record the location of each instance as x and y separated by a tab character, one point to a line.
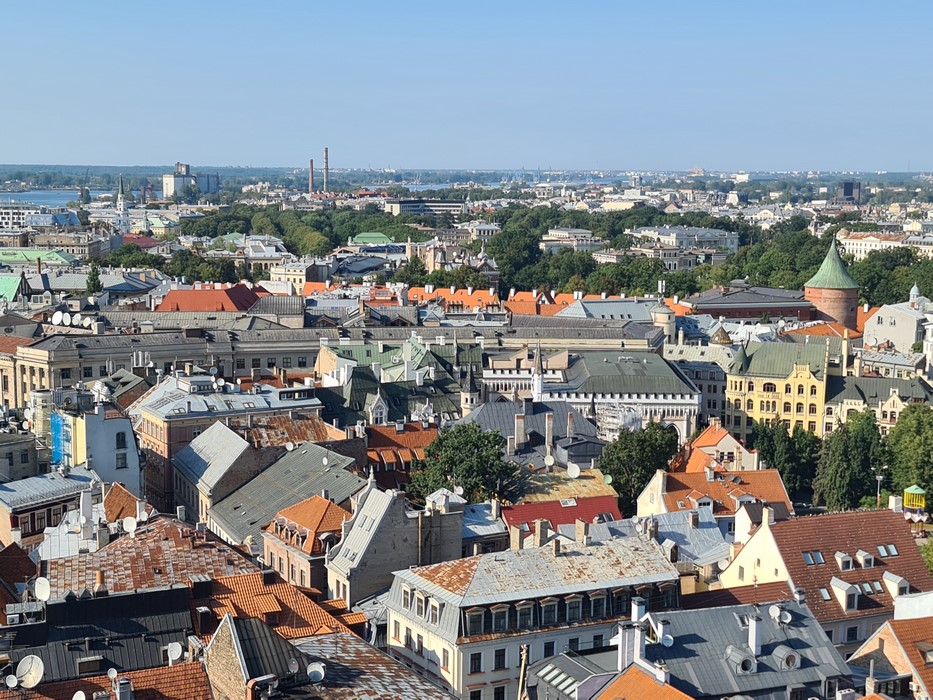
916	490
832	273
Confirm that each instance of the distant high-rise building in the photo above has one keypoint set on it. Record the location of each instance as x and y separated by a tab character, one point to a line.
177	181
849	192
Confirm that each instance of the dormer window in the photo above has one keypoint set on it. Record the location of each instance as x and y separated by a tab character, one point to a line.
549	612
475	622
435	612
851	601
844	561
419	605
574	608
500	618
406	598
865	560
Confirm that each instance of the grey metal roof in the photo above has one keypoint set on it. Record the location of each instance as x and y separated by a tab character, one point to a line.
278	306
611	309
299	474
871	390
361	528
622	373
356	670
128	630
208	457
174	320
697	659
263	651
46	487
478	521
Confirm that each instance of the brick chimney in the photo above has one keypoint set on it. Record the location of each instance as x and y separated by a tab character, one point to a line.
516	538
520	435
541	531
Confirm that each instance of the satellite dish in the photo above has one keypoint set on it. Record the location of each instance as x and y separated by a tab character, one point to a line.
549	461
174	651
213	371
87	324
786	617
775	612
607	479
130	525
324	461
723	564
43	589
289	446
573	471
667	641
79	695
66	319
239	381
293	666
57	318
316	671
83	520
220	382
112	673
76	320
29	671
458	490
27	413
11	682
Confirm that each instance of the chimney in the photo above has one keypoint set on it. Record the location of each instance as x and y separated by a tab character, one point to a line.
871	683
639	650
510	445
800	596
495	508
694	519
638	608
663	626
311	176
180	513
582	532
516	538
569	424
655	525
555	546
540	532
140	510
100	583
326	168
710	473
325	494
754	635
549	432
520	437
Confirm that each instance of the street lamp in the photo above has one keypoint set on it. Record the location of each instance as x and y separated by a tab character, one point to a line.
879	476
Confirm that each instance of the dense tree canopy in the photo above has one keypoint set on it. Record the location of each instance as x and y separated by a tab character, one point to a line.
633	458
910	445
845	473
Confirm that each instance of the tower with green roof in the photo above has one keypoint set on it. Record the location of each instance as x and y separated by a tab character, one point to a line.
832	291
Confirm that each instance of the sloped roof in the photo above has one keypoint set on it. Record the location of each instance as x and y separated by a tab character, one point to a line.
764	485
832	273
119	503
832	329
235	298
916	639
565	512
635	682
317	515
849	532
711	436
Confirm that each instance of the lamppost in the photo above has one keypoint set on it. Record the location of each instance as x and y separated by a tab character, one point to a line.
879	477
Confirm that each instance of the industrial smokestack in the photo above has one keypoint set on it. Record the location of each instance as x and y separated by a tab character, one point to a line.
326	169
311	176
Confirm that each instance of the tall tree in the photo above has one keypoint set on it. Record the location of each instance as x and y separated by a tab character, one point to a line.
464	455
910	446
94	285
633	458
844	475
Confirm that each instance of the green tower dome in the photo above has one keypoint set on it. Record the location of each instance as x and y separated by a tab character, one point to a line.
832	273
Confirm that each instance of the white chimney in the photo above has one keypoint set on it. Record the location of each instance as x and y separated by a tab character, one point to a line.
638	608
754	635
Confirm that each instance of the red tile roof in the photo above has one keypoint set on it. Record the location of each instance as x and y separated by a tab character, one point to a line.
912	634
247	595
9	343
561	512
164	551
849	532
120	503
764	485
317	515
532	308
459	297
711	436
830	329
635	682
236	298
740	595
15	568
183	680
144	242
454	576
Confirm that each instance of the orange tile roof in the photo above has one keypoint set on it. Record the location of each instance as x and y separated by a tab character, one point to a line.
182	680
317	515
849	532
698	462
830	329
9	343
634	682
247	595
236	298
312	288
862	317
765	485
533	308
678	308
164	551
454	576
120	503
740	595
911	634
711	436
461	297
414	435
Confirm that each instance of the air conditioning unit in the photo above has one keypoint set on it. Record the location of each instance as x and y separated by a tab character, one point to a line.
913	687
14	619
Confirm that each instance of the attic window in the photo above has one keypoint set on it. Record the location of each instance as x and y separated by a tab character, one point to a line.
89	664
568	502
824	594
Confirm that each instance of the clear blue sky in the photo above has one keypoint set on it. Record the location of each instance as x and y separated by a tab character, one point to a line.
572	84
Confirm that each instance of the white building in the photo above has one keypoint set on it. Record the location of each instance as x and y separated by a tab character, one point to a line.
689	236
574	238
463	623
859	244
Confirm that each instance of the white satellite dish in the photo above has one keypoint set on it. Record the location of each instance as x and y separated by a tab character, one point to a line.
573	471
174	651
112	673
76	320
43	589
83	520
220	381
87	324
549	461
667	641
289	446
57	318
775	612
66	319
213	371
293	666
723	564
607	479
324	461
11	682
316	671
27	413
79	695
29	671
786	617
130	525
458	490
239	381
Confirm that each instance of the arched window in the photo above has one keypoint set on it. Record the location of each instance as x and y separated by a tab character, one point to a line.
738	404
799	408
811	409
751	386
800	390
829	410
749	405
787	388
769	387
813	390
787	407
